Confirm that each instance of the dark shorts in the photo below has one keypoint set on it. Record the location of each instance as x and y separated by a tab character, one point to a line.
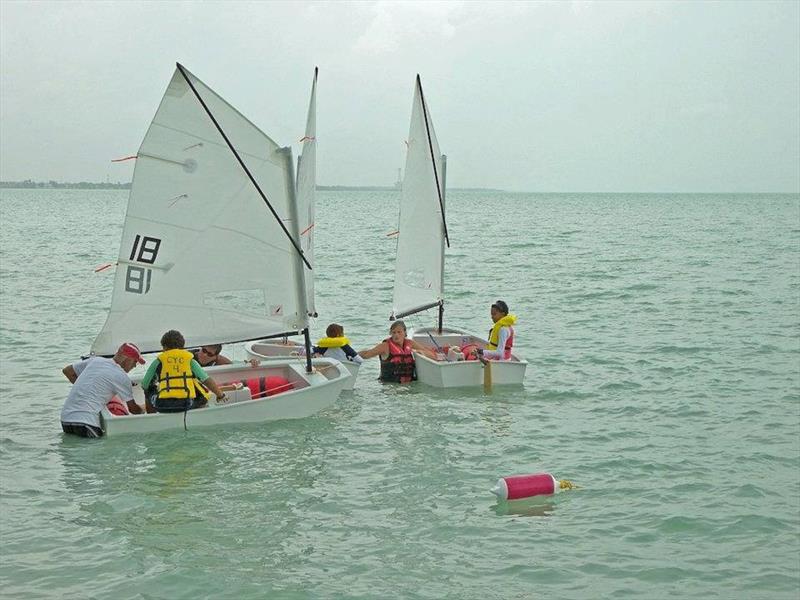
170	405
82	429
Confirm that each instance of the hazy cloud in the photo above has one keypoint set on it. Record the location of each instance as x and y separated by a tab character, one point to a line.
595	96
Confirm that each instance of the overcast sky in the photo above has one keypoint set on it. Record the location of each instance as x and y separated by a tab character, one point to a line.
568	96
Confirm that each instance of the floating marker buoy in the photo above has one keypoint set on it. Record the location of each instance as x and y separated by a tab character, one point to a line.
525	486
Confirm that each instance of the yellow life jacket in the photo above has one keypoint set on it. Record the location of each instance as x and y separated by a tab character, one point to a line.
176	379
494	335
329	342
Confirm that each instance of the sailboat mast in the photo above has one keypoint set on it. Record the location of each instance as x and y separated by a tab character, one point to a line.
433	158
444	188
299	275
297	175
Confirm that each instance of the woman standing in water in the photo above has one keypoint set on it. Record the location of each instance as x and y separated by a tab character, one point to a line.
395	352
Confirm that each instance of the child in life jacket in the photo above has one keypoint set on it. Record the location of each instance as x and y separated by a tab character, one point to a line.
395	352
501	335
175	381
335	345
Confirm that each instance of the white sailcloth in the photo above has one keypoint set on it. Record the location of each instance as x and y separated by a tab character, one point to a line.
420	244
306	190
201	251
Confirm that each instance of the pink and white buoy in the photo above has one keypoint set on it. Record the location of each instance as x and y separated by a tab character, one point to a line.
526	486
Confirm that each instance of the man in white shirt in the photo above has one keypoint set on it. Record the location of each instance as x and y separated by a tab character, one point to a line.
96	380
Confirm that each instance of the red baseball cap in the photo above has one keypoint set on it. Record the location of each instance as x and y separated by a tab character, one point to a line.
131	351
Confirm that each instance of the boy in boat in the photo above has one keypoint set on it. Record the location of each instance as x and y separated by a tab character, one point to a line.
182	382
501	335
209	356
397	360
335	345
96	381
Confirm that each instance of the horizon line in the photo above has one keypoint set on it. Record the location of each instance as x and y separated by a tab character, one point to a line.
31	184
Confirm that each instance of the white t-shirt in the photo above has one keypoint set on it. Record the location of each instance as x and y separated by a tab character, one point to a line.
341	356
98	380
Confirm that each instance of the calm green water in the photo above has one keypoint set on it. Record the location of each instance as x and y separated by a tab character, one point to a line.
663	334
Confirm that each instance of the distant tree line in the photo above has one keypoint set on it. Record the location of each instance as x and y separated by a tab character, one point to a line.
88	185
81	185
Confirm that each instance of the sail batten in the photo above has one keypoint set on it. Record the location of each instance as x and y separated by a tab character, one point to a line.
200	250
419	265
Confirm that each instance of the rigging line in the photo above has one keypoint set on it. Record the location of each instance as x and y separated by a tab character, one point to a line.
244	166
418	321
433	160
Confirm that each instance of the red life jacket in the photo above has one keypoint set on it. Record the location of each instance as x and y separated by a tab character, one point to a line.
267	386
399	366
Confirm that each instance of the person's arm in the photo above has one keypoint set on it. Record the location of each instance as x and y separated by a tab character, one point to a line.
124	391
430	353
382	348
150	374
223	360
73	371
212	385
498	354
69	373
351	354
201	375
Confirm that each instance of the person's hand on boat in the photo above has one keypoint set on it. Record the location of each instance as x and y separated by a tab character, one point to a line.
253	362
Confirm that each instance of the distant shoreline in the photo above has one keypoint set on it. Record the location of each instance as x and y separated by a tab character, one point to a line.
59	185
87	185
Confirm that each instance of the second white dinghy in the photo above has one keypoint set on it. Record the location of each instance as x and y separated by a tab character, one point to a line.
206	177
419	266
269	351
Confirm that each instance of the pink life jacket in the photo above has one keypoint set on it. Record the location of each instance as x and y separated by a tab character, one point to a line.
509	344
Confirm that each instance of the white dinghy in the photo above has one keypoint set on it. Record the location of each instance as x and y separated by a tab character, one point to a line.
306	198
210	247
419	266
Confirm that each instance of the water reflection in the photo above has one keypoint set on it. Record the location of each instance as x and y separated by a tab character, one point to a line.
529	507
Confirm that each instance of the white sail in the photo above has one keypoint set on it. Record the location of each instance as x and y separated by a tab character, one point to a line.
201	251
306	190
419	264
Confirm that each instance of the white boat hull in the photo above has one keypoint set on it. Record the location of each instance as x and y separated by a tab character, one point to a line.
275	350
312	393
464	373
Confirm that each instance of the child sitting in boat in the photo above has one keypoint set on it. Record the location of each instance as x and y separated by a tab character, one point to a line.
336	345
211	355
181	381
501	335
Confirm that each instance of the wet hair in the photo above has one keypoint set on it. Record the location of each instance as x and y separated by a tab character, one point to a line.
172	340
334	330
397	324
501	306
217	348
